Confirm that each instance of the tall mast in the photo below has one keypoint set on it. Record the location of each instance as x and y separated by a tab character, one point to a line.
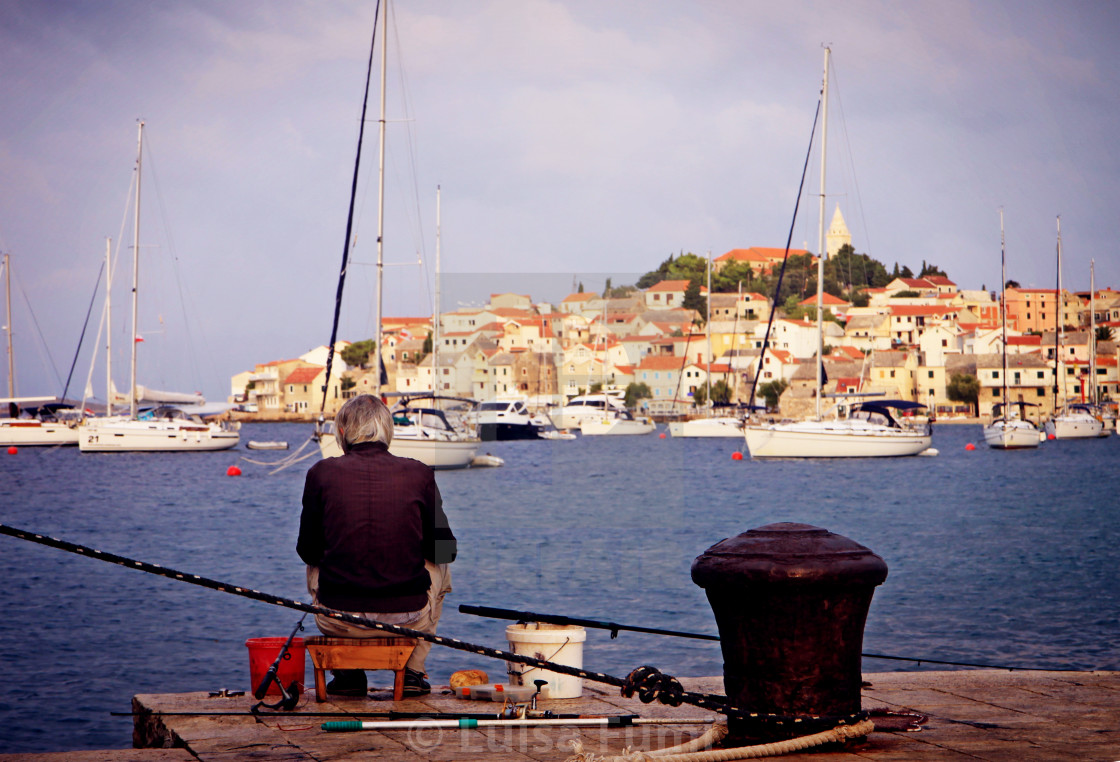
820	235
8	303
435	320
1092	336
380	205
1058	325
135	275
708	329
109	325
1003	306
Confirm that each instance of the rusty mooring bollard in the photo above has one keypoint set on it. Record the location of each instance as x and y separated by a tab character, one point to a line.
790	601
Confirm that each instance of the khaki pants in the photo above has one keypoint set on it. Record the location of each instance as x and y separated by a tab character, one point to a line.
424	620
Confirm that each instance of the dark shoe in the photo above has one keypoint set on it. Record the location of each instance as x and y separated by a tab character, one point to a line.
347	682
415	684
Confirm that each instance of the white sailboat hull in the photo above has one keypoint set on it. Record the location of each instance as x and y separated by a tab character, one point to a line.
597	427
707	427
1011	435
1077	426
833	439
126	435
439	454
23	432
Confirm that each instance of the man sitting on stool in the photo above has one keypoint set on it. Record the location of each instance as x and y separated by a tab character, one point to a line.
375	540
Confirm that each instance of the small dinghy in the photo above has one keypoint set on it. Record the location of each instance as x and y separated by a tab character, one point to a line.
487	461
255	445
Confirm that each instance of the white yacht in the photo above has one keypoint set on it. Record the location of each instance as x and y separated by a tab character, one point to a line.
421	432
505	419
586	406
615	423
1077	420
869	431
1010	431
163	429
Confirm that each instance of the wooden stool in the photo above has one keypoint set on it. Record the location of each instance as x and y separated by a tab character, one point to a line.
359	653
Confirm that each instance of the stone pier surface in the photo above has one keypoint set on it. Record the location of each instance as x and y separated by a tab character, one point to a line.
971	715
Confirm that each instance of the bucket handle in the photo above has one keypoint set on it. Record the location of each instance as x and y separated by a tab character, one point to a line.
550	658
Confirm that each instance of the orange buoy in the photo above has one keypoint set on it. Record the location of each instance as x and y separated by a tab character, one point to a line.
970	446
233	471
736	455
13	450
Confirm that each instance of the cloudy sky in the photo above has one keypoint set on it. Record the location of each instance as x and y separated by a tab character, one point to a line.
572	139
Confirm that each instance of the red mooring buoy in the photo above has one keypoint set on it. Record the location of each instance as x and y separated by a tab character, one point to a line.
13	450
970	446
661	435
233	471
736	455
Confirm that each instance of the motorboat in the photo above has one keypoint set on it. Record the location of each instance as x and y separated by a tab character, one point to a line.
501	420
586	406
616	423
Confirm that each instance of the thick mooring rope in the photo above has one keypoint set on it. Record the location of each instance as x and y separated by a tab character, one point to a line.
691	751
647	683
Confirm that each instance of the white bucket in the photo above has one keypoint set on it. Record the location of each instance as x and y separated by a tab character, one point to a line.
558	643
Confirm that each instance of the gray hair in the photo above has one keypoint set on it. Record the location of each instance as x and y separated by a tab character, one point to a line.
364	418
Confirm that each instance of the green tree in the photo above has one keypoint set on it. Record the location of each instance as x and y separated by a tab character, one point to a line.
721	392
694	300
426	349
964	387
635	392
931	269
699	395
347	383
1104	333
357	354
771	391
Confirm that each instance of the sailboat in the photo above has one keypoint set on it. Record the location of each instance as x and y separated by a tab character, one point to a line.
1074	420
422	429
612	420
42	428
708	425
164	428
1007	431
869	430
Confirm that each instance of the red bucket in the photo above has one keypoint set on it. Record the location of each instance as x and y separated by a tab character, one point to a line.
263	651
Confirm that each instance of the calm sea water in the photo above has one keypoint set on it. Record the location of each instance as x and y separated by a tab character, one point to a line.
994	557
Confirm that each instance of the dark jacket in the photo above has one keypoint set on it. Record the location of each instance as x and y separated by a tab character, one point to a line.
369	521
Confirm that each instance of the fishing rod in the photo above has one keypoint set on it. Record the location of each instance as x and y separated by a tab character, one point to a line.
617	721
615	628
289	696
397	716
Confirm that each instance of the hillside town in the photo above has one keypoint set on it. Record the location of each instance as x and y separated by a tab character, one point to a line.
915	339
